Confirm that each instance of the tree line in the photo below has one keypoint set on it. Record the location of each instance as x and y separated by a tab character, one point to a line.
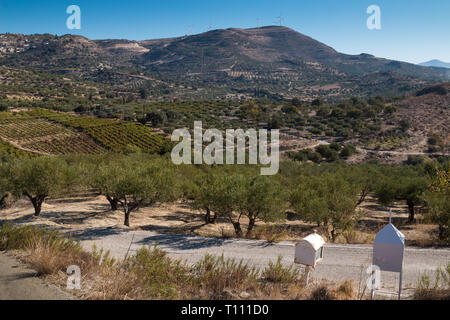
327	195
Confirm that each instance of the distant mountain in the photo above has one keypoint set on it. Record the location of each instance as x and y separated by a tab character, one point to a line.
435	63
269	61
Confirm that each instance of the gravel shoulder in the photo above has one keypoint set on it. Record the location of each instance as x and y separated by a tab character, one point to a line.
18	282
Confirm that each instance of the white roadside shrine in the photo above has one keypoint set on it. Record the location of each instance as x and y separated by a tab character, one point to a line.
388	252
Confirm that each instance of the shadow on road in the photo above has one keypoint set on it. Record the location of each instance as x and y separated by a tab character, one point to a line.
182	242
94	233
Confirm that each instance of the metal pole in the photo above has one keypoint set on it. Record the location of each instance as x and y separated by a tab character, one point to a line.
372	289
306	276
400	286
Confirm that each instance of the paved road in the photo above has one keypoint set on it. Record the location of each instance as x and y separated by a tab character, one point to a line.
17	282
341	262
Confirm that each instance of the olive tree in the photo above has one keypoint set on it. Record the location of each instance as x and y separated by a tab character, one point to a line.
40	178
136	181
437	200
198	185
402	184
234	195
262	199
100	177
327	200
225	191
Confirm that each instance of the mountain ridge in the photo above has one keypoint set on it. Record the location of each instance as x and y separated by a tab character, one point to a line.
273	59
435	63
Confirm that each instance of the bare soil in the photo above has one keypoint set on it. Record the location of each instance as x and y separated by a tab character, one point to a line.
87	211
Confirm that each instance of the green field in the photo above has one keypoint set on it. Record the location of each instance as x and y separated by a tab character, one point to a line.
47	132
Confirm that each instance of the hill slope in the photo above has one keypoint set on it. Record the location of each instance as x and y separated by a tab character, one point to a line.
267	61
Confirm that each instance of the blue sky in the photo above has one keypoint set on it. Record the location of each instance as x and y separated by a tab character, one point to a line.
412	30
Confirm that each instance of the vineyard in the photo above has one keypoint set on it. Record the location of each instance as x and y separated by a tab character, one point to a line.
10	150
120	136
75	143
26	129
115	135
47	132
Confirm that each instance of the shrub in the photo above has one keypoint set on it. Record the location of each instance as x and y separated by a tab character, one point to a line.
322	293
347	151
278	273
440	290
434	140
158	274
415	160
217	273
404	125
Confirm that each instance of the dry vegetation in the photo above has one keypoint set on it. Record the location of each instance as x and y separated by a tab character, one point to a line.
92	211
150	274
439	290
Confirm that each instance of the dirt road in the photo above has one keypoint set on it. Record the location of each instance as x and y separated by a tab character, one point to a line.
18	282
341	262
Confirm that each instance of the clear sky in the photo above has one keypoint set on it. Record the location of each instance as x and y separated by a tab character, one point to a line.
412	30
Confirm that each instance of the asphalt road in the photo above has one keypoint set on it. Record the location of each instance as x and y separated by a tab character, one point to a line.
341	262
18	282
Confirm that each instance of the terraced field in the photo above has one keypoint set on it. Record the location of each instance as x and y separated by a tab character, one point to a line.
65	144
114	135
44	137
47	132
24	129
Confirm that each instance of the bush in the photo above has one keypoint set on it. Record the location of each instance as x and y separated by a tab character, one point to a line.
278	273
217	273
157	273
404	125
327	152
322	293
434	140
347	151
440	290
415	160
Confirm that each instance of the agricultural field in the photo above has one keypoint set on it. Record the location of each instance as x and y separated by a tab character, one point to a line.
46	132
41	136
8	149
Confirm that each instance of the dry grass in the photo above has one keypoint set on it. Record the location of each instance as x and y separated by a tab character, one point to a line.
151	274
439	290
344	291
269	233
